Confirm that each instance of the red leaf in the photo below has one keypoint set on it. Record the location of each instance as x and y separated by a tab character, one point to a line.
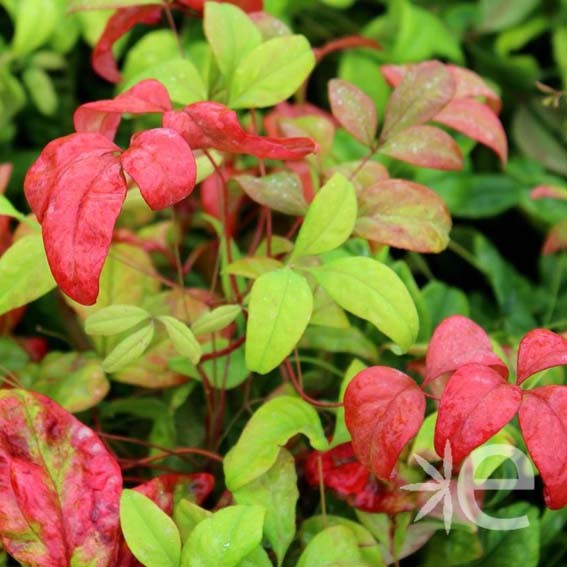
543	421
403	214
424	90
76	189
59	486
354	110
384	409
213	125
120	22
477	402
458	341
476	121
162	165
164	490
424	146
347	42
103	116
344	474
539	350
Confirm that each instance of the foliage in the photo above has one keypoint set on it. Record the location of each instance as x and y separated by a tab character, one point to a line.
281	260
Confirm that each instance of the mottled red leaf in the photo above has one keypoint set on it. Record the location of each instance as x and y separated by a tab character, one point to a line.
543	421
103	116
354	110
477	121
165	490
458	341
162	165
424	90
213	125
403	214
59	486
347	42
424	146
539	350
556	238
351	481
119	23
384	409
477	402
76	189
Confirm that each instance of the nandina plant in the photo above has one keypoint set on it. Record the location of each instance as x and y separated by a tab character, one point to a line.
230	262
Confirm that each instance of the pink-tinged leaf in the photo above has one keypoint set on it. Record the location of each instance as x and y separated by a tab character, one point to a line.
458	341
467	83
403	214
286	110
556	239
424	146
351	481
343	43
162	165
354	110
384	409
76	189
165	490
477	121
213	125
103	116
543	421
424	90
122	21
539	350
477	402
59	486
549	192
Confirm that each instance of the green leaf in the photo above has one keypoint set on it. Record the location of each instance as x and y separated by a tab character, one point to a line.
216	320
443	301
341	433
225	538
326	312
330	218
129	349
277	490
423	444
24	273
35	21
179	76
331	339
372	291
6	208
369	548
187	515
74	5
149	532
455	548
253	267
280	307
182	338
267	430
333	546
496	15
41	90
271	72
115	319
258	558
282	192
231	35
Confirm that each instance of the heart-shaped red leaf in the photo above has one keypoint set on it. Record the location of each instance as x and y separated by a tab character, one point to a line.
213	125
477	121
119	23
477	402
103	116
458	341
162	165
543	420
354	110
384	409
539	350
59	486
424	90
76	189
424	146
